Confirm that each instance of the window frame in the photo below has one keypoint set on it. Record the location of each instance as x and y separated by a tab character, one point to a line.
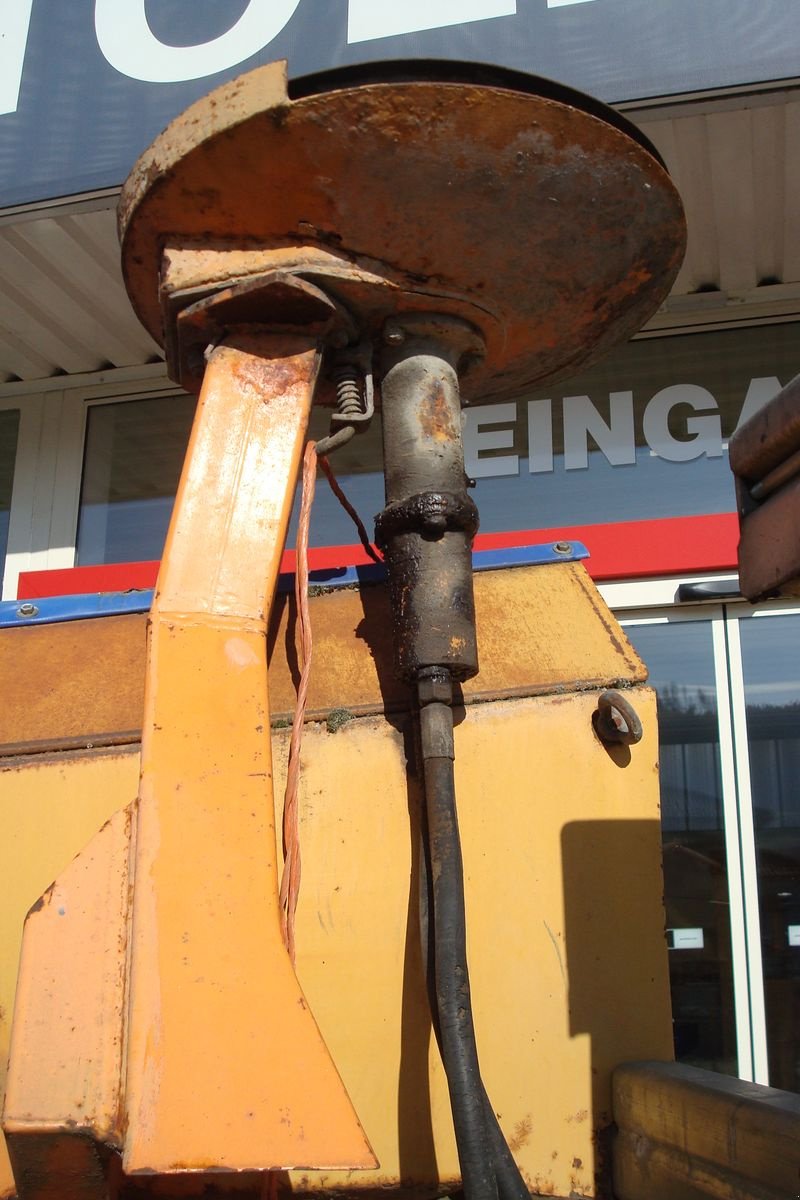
48	471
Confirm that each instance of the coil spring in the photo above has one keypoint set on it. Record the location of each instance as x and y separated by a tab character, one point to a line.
348	390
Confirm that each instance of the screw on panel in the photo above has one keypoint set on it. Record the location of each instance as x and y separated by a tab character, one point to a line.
562	547
27	610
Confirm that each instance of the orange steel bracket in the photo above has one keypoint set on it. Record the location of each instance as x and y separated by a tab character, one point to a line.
158	1017
226	1068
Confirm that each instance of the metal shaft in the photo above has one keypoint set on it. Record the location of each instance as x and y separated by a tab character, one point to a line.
427	527
426	532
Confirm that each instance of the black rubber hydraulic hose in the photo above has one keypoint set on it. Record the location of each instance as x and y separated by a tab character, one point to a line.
510	1184
453	1002
426	532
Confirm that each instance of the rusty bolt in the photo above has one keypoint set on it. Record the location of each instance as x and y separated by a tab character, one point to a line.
393	334
616	720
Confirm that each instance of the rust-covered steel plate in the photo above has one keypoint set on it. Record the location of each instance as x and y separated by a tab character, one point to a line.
532	210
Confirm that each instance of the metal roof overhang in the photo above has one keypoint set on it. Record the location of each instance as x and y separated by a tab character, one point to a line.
734	157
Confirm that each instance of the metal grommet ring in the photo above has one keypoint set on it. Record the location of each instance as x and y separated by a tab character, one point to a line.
615	720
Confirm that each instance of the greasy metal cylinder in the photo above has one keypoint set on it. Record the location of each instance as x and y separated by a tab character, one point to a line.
427	528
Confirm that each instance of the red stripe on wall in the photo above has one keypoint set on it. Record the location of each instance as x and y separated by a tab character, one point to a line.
626	550
80	581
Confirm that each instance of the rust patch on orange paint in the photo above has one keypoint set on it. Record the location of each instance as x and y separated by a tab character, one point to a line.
270	377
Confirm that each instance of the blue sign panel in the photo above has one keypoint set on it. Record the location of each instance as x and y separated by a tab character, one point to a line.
85	85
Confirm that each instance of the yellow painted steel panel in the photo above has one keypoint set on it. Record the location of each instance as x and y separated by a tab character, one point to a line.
72	682
82	917
562	852
562	858
87	677
51	809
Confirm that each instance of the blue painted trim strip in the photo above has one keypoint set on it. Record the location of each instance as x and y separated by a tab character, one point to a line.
52	609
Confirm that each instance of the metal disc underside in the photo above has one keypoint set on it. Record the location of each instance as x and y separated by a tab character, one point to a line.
531	210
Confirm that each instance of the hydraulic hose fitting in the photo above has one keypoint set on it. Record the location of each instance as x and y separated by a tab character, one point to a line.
427	528
435	698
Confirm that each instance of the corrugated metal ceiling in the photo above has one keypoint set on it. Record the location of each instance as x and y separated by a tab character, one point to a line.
736	162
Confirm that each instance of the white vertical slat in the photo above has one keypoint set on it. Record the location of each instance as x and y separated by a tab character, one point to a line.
662	135
752	922
769	142
23	493
736	893
46	486
67	481
791	222
730	163
43	498
702	264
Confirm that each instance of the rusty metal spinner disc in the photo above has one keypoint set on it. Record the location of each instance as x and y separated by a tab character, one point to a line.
531	210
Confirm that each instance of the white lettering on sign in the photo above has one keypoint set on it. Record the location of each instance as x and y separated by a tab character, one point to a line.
540	436
131	47
680	423
477	438
15	20
617	440
704	434
369	19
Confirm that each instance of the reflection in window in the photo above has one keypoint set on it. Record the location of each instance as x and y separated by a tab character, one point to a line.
771	662
680	660
9	429
132	464
640	435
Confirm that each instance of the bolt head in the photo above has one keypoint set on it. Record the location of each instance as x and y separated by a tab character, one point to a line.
563	547
393	335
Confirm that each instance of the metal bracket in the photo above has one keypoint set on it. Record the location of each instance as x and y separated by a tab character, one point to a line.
277	300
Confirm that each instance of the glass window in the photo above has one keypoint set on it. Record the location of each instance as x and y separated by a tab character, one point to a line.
132	464
771	665
640	436
9	430
680	659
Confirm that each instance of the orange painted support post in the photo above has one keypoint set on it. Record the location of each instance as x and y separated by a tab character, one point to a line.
226	1068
